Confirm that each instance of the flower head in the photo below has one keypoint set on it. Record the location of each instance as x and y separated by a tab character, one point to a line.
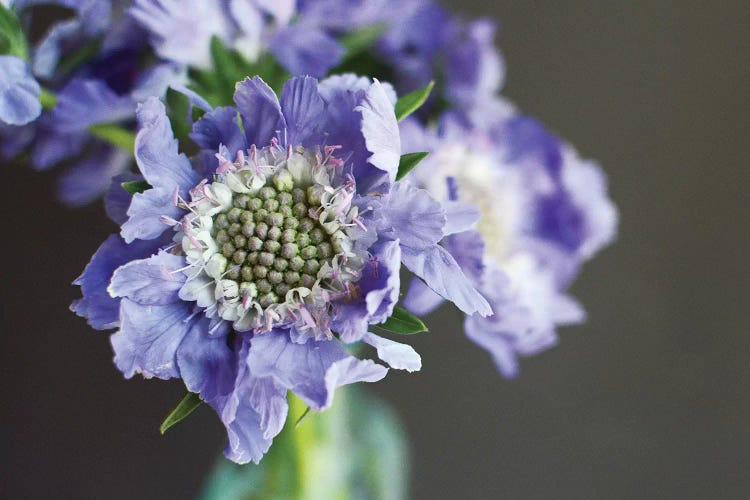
101	89
544	211
278	244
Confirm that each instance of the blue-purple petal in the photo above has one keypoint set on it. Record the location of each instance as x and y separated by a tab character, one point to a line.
414	217
219	127
144	214
207	364
91	176
379	287
152	281
303	108
310	370
440	272
163	167
156	150
97	306
148	338
84	102
305	50
19	92
117	200
420	299
260	111
460	216
397	355
380	130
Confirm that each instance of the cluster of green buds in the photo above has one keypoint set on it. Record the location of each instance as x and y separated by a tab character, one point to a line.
270	241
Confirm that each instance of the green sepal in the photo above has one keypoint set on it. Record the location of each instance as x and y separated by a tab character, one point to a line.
408	162
411	102
189	403
133	187
359	41
12	39
403	322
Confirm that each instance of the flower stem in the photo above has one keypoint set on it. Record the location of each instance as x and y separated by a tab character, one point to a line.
303	438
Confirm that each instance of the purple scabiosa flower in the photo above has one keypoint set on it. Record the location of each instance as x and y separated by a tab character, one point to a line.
420	42
103	90
182	32
280	243
544	211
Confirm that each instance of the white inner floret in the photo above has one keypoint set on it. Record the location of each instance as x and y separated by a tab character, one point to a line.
484	181
270	242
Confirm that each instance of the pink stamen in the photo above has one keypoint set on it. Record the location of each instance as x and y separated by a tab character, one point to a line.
224	167
165	219
307	317
359	223
374	262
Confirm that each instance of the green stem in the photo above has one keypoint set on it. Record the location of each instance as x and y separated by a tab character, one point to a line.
109	132
303	438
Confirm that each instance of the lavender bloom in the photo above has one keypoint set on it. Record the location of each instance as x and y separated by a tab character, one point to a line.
182	31
287	235
103	90
544	211
420	42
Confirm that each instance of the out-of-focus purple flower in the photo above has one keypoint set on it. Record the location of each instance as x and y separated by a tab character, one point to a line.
420	42
182	31
103	90
544	211
287	241
19	92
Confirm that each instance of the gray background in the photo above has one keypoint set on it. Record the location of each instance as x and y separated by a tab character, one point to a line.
649	399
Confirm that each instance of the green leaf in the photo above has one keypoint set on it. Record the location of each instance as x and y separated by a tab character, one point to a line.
115	135
133	187
403	322
189	403
411	102
360	40
12	39
408	162
177	110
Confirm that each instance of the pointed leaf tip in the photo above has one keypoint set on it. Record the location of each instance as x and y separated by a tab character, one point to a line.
403	322
133	187
408	162
411	102
189	403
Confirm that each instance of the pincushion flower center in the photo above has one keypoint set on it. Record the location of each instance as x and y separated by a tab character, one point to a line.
272	241
268	242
